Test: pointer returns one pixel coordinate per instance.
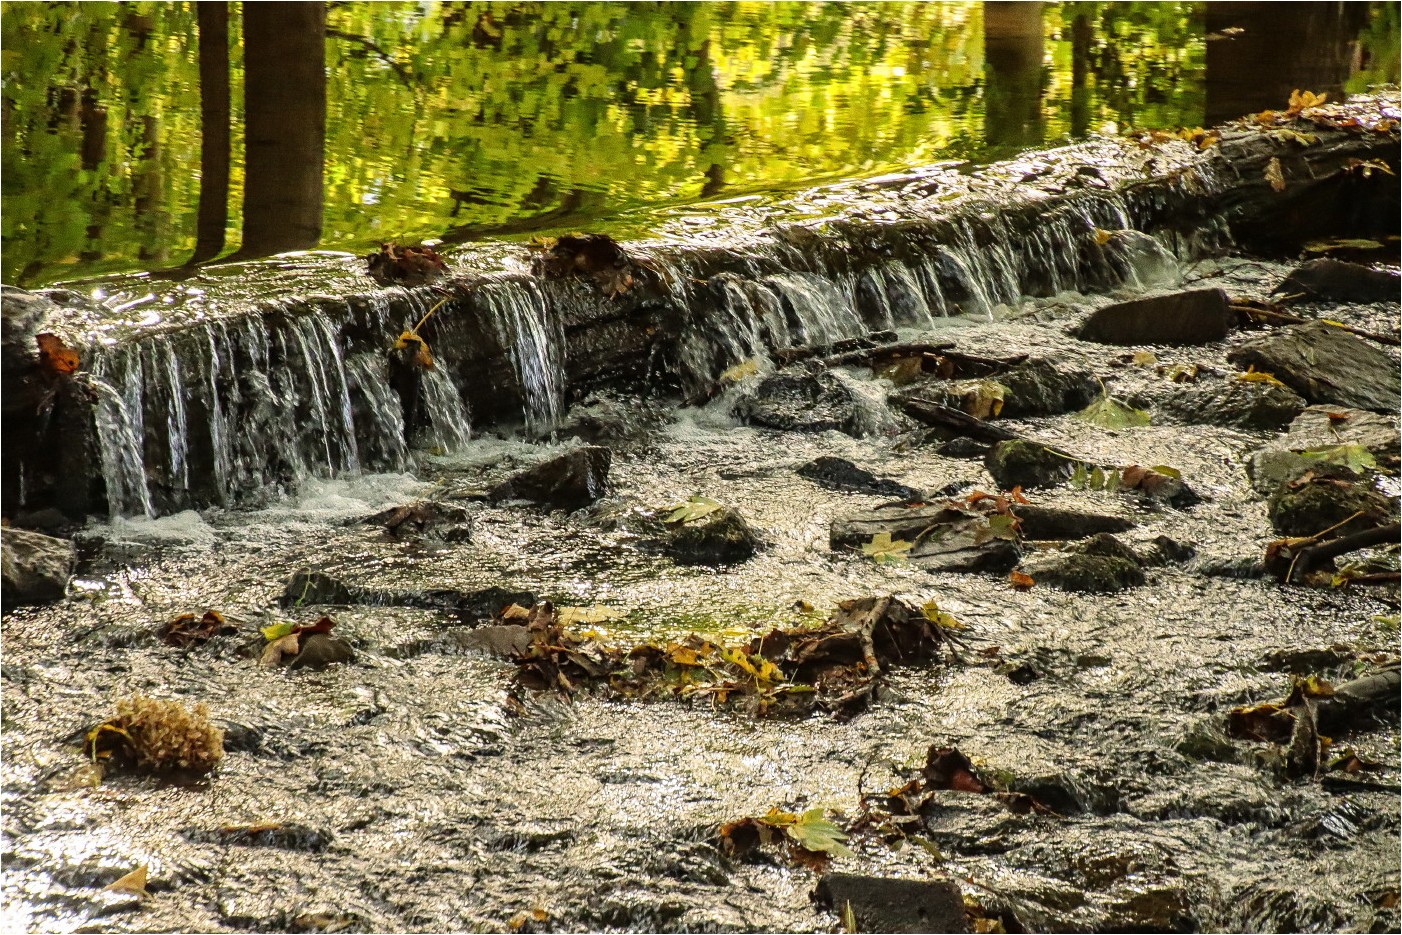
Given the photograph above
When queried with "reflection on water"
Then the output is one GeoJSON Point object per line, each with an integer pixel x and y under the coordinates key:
{"type": "Point", "coordinates": [466, 120]}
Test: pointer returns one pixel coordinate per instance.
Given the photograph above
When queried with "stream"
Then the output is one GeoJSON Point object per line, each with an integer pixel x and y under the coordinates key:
{"type": "Point", "coordinates": [411, 796]}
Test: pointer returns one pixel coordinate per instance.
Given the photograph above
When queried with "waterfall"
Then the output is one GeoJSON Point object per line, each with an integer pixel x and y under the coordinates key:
{"type": "Point", "coordinates": [250, 404]}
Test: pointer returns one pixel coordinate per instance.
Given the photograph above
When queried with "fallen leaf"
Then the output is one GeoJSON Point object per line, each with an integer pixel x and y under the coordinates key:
{"type": "Point", "coordinates": [55, 355]}
{"type": "Point", "coordinates": [1274, 175]}
{"type": "Point", "coordinates": [1143, 359]}
{"type": "Point", "coordinates": [1300, 100]}
{"type": "Point", "coordinates": [813, 832]}
{"type": "Point", "coordinates": [1102, 237]}
{"type": "Point", "coordinates": [410, 341]}
{"type": "Point", "coordinates": [133, 883]}
{"type": "Point", "coordinates": [882, 549]}
{"type": "Point", "coordinates": [595, 613]}
{"type": "Point", "coordinates": [740, 371]}
{"type": "Point", "coordinates": [1109, 413]}
{"type": "Point", "coordinates": [692, 509]}
{"type": "Point", "coordinates": [1252, 375]}
{"type": "Point", "coordinates": [1021, 580]}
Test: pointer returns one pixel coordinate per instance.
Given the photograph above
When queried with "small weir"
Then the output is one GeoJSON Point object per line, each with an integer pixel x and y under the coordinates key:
{"type": "Point", "coordinates": [241, 405]}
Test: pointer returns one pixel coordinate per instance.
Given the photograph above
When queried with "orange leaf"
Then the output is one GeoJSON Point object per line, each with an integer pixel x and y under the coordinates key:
{"type": "Point", "coordinates": [1016, 495]}
{"type": "Point", "coordinates": [55, 355]}
{"type": "Point", "coordinates": [1021, 580]}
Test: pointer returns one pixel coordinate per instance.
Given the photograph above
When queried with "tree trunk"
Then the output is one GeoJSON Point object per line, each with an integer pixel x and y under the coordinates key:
{"type": "Point", "coordinates": [1282, 47]}
{"type": "Point", "coordinates": [213, 215]}
{"type": "Point", "coordinates": [1012, 54]}
{"type": "Point", "coordinates": [284, 126]}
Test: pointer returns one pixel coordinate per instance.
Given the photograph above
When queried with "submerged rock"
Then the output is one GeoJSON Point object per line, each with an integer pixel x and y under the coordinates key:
{"type": "Point", "coordinates": [1337, 281]}
{"type": "Point", "coordinates": [1327, 497]}
{"type": "Point", "coordinates": [1325, 364]}
{"type": "Point", "coordinates": [1028, 464]}
{"type": "Point", "coordinates": [943, 537]}
{"type": "Point", "coordinates": [1200, 316]}
{"type": "Point", "coordinates": [841, 474]}
{"type": "Point", "coordinates": [719, 538]}
{"type": "Point", "coordinates": [445, 522]}
{"type": "Point", "coordinates": [802, 402]}
{"type": "Point", "coordinates": [1101, 565]}
{"type": "Point", "coordinates": [1043, 522]}
{"type": "Point", "coordinates": [574, 479]}
{"type": "Point", "coordinates": [882, 904]}
{"type": "Point", "coordinates": [35, 567]}
{"type": "Point", "coordinates": [1038, 387]}
{"type": "Point", "coordinates": [307, 587]}
{"type": "Point", "coordinates": [1236, 403]}
{"type": "Point", "coordinates": [1317, 435]}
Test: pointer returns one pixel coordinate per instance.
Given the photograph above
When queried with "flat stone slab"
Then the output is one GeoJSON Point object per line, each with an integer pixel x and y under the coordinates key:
{"type": "Point", "coordinates": [1325, 364]}
{"type": "Point", "coordinates": [1337, 281]}
{"type": "Point", "coordinates": [1201, 316]}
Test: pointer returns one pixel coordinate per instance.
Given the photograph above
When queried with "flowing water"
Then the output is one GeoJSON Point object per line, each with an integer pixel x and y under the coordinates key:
{"type": "Point", "coordinates": [412, 801]}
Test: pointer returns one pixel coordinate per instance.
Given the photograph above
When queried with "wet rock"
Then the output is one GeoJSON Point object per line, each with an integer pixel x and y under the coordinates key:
{"type": "Point", "coordinates": [609, 419]}
{"type": "Point", "coordinates": [319, 650]}
{"type": "Point", "coordinates": [1044, 522]}
{"type": "Point", "coordinates": [574, 479]}
{"type": "Point", "coordinates": [291, 836]}
{"type": "Point", "coordinates": [1328, 496]}
{"type": "Point", "coordinates": [445, 522]}
{"type": "Point", "coordinates": [1325, 364]}
{"type": "Point", "coordinates": [504, 640]}
{"type": "Point", "coordinates": [1155, 908]}
{"type": "Point", "coordinates": [1200, 316]}
{"type": "Point", "coordinates": [964, 448]}
{"type": "Point", "coordinates": [944, 537]}
{"type": "Point", "coordinates": [1321, 426]}
{"type": "Point", "coordinates": [306, 587]}
{"type": "Point", "coordinates": [882, 904]}
{"type": "Point", "coordinates": [1336, 281]}
{"type": "Point", "coordinates": [1039, 387]}
{"type": "Point", "coordinates": [801, 402]}
{"type": "Point", "coordinates": [1101, 565]}
{"type": "Point", "coordinates": [1028, 464]}
{"type": "Point", "coordinates": [841, 474]}
{"type": "Point", "coordinates": [1165, 550]}
{"type": "Point", "coordinates": [1236, 403]}
{"type": "Point", "coordinates": [35, 567]}
{"type": "Point", "coordinates": [721, 537]}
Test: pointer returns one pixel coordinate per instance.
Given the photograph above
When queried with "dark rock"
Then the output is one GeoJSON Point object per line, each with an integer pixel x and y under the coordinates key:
{"type": "Point", "coordinates": [1044, 522]}
{"type": "Point", "coordinates": [504, 640]}
{"type": "Point", "coordinates": [1101, 565]}
{"type": "Point", "coordinates": [801, 402]}
{"type": "Point", "coordinates": [962, 544]}
{"type": "Point", "coordinates": [574, 479]}
{"type": "Point", "coordinates": [1236, 403]}
{"type": "Point", "coordinates": [1039, 387]}
{"type": "Point", "coordinates": [35, 567]}
{"type": "Point", "coordinates": [1165, 550]}
{"type": "Point", "coordinates": [319, 650]}
{"type": "Point", "coordinates": [1155, 908]}
{"type": "Point", "coordinates": [1325, 364]}
{"type": "Point", "coordinates": [610, 419]}
{"type": "Point", "coordinates": [881, 904]}
{"type": "Point", "coordinates": [1197, 317]}
{"type": "Point", "coordinates": [48, 520]}
{"type": "Point", "coordinates": [965, 448]}
{"type": "Point", "coordinates": [1321, 426]}
{"type": "Point", "coordinates": [1330, 496]}
{"type": "Point", "coordinates": [1337, 281]}
{"type": "Point", "coordinates": [445, 522]}
{"type": "Point", "coordinates": [1028, 464]}
{"type": "Point", "coordinates": [721, 537]}
{"type": "Point", "coordinates": [288, 836]}
{"type": "Point", "coordinates": [315, 587]}
{"type": "Point", "coordinates": [841, 474]}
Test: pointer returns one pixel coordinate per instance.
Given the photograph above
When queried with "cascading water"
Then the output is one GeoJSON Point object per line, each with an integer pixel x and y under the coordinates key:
{"type": "Point", "coordinates": [305, 387]}
{"type": "Point", "coordinates": [530, 331]}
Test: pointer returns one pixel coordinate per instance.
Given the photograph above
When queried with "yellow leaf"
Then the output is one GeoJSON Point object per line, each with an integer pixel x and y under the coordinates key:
{"type": "Point", "coordinates": [133, 883]}
{"type": "Point", "coordinates": [1102, 237]}
{"type": "Point", "coordinates": [1252, 375]}
{"type": "Point", "coordinates": [410, 340]}
{"type": "Point", "coordinates": [1144, 359]}
{"type": "Point", "coordinates": [740, 371]}
{"type": "Point", "coordinates": [592, 614]}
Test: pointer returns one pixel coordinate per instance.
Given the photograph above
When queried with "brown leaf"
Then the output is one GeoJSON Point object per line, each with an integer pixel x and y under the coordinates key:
{"type": "Point", "coordinates": [278, 650]}
{"type": "Point", "coordinates": [420, 356]}
{"type": "Point", "coordinates": [133, 883]}
{"type": "Point", "coordinates": [1274, 175]}
{"type": "Point", "coordinates": [1021, 580]}
{"type": "Point", "coordinates": [54, 355]}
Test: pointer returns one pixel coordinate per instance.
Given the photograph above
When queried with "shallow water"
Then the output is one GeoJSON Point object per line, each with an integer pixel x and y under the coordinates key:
{"type": "Point", "coordinates": [440, 812]}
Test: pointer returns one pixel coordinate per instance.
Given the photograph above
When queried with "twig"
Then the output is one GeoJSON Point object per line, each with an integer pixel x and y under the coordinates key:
{"type": "Point", "coordinates": [1262, 315]}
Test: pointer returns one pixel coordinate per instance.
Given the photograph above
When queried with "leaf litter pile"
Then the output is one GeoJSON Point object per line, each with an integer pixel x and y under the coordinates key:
{"type": "Point", "coordinates": [835, 667]}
